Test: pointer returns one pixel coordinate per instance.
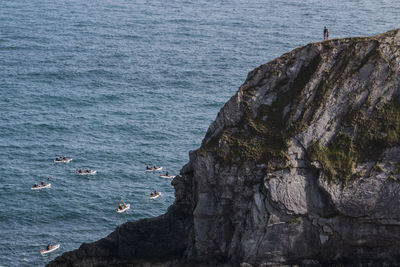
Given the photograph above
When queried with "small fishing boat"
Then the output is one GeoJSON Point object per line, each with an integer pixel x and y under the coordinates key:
{"type": "Point", "coordinates": [155, 196]}
{"type": "Point", "coordinates": [51, 249]}
{"type": "Point", "coordinates": [86, 172]}
{"type": "Point", "coordinates": [41, 187]}
{"type": "Point", "coordinates": [127, 207]}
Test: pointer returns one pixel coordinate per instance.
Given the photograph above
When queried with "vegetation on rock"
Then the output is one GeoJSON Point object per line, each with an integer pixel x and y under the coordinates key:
{"type": "Point", "coordinates": [371, 136]}
{"type": "Point", "coordinates": [337, 158]}
{"type": "Point", "coordinates": [258, 139]}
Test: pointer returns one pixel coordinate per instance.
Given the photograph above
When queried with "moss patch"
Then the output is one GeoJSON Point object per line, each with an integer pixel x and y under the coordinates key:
{"type": "Point", "coordinates": [397, 168]}
{"type": "Point", "coordinates": [378, 132]}
{"type": "Point", "coordinates": [255, 141]}
{"type": "Point", "coordinates": [377, 168]}
{"type": "Point", "coordinates": [373, 134]}
{"type": "Point", "coordinates": [337, 159]}
{"type": "Point", "coordinates": [393, 179]}
{"type": "Point", "coordinates": [295, 220]}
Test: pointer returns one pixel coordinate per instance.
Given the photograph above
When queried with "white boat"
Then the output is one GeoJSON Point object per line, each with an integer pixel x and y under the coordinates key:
{"type": "Point", "coordinates": [90, 172]}
{"type": "Point", "coordinates": [154, 170]}
{"type": "Point", "coordinates": [52, 248]}
{"type": "Point", "coordinates": [167, 176]}
{"type": "Point", "coordinates": [67, 160]}
{"type": "Point", "coordinates": [41, 187]}
{"type": "Point", "coordinates": [128, 206]}
{"type": "Point", "coordinates": [155, 196]}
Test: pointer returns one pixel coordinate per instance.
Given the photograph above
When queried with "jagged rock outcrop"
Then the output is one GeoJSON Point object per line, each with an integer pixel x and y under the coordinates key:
{"type": "Point", "coordinates": [301, 166]}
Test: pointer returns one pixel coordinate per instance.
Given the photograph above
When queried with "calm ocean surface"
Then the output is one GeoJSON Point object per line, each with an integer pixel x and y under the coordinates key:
{"type": "Point", "coordinates": [115, 84]}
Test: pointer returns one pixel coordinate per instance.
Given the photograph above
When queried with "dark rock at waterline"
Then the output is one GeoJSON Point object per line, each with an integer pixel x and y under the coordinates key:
{"type": "Point", "coordinates": [301, 166]}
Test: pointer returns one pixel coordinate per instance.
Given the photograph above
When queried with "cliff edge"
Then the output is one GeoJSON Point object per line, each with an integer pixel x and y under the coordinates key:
{"type": "Point", "coordinates": [301, 166]}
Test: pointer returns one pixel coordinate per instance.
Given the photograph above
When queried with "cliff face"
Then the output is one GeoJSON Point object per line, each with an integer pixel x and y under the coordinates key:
{"type": "Point", "coordinates": [302, 166]}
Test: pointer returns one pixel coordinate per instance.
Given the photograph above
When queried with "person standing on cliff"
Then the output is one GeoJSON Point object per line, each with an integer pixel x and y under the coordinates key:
{"type": "Point", "coordinates": [326, 33]}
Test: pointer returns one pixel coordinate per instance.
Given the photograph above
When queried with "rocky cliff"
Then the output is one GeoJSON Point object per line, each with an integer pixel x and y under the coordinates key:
{"type": "Point", "coordinates": [301, 166]}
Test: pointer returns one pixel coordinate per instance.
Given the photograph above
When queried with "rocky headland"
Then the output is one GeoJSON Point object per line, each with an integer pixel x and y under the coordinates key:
{"type": "Point", "coordinates": [301, 166]}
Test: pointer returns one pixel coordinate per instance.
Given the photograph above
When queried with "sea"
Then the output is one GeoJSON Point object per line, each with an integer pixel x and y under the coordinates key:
{"type": "Point", "coordinates": [118, 84]}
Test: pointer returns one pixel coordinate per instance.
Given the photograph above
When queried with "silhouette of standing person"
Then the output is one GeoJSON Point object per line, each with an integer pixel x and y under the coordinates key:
{"type": "Point", "coordinates": [326, 33]}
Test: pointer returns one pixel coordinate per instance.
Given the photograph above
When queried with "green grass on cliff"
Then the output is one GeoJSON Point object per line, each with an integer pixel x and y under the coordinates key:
{"type": "Point", "coordinates": [372, 135]}
{"type": "Point", "coordinates": [376, 132]}
{"type": "Point", "coordinates": [337, 158]}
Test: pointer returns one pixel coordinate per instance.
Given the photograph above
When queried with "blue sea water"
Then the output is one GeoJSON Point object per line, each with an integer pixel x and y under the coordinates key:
{"type": "Point", "coordinates": [116, 84]}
